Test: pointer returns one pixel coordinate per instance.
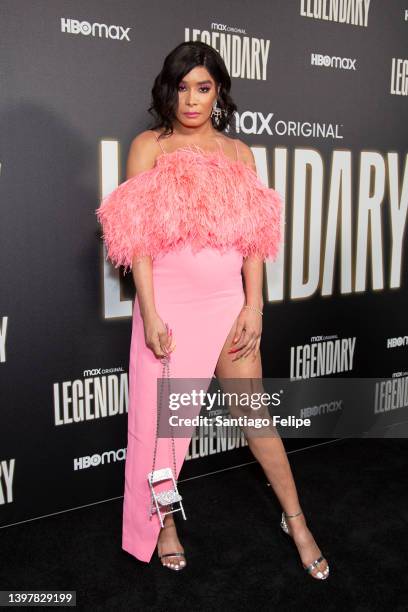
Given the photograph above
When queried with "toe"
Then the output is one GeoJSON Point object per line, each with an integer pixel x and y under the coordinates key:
{"type": "Point", "coordinates": [322, 570]}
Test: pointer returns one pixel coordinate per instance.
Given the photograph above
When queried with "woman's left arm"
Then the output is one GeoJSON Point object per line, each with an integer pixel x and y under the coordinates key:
{"type": "Point", "coordinates": [247, 339]}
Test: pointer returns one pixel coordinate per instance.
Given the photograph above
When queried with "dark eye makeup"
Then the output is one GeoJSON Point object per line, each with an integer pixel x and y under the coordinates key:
{"type": "Point", "coordinates": [206, 88]}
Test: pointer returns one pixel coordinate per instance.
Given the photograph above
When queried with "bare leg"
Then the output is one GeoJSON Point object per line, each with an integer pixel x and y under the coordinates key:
{"type": "Point", "coordinates": [168, 542]}
{"type": "Point", "coordinates": [272, 456]}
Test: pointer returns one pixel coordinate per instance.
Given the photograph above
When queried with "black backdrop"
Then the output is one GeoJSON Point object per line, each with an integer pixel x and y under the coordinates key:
{"type": "Point", "coordinates": [320, 97]}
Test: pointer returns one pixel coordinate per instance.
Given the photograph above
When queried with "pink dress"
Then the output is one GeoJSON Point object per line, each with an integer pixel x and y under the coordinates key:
{"type": "Point", "coordinates": [197, 214]}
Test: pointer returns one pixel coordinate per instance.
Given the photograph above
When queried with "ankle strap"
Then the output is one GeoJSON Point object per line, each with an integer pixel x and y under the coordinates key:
{"type": "Point", "coordinates": [292, 515]}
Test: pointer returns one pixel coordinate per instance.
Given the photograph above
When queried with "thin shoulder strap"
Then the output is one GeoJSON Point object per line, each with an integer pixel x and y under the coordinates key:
{"type": "Point", "coordinates": [236, 147]}
{"type": "Point", "coordinates": [219, 144]}
{"type": "Point", "coordinates": [160, 144]}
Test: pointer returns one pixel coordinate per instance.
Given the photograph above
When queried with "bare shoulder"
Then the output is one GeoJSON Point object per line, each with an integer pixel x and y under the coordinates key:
{"type": "Point", "coordinates": [245, 154]}
{"type": "Point", "coordinates": [142, 153]}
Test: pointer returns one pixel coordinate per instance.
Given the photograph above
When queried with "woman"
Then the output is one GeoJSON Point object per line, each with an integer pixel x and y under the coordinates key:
{"type": "Point", "coordinates": [191, 216]}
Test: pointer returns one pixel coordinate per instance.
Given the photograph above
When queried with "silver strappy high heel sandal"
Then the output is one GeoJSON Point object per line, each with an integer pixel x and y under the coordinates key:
{"type": "Point", "coordinates": [320, 575]}
{"type": "Point", "coordinates": [173, 566]}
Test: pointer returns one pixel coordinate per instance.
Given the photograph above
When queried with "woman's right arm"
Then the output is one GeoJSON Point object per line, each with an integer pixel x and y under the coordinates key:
{"type": "Point", "coordinates": [142, 156]}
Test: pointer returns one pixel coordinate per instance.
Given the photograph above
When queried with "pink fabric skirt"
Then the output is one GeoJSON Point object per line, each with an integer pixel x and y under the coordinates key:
{"type": "Point", "coordinates": [200, 296]}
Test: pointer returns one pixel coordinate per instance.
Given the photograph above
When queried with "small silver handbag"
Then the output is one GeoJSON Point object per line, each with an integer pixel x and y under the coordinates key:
{"type": "Point", "coordinates": [160, 501]}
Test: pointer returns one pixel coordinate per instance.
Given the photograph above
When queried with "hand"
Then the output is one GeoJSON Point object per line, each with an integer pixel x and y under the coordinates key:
{"type": "Point", "coordinates": [248, 333]}
{"type": "Point", "coordinates": [157, 338]}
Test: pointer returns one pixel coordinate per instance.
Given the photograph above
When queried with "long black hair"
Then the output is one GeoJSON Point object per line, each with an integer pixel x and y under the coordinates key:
{"type": "Point", "coordinates": [177, 64]}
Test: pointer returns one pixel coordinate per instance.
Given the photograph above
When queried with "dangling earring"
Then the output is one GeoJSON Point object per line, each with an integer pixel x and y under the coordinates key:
{"type": "Point", "coordinates": [216, 112]}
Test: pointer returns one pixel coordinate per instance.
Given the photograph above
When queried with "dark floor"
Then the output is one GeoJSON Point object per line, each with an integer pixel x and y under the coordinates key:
{"type": "Point", "coordinates": [353, 493]}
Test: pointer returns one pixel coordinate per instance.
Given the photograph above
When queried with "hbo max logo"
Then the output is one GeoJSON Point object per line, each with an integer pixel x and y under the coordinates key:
{"type": "Point", "coordinates": [331, 61]}
{"type": "Point", "coordinates": [73, 26]}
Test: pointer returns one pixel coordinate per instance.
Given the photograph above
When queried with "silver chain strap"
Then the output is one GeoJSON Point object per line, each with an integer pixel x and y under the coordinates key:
{"type": "Point", "coordinates": [165, 374]}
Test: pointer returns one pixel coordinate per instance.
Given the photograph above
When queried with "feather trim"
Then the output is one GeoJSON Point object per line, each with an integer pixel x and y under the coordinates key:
{"type": "Point", "coordinates": [207, 200]}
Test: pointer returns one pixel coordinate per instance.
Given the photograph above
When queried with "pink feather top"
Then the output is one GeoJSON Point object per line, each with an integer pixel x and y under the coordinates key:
{"type": "Point", "coordinates": [190, 196]}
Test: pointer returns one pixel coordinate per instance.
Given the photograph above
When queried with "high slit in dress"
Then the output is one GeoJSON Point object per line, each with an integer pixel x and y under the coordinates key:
{"type": "Point", "coordinates": [197, 214]}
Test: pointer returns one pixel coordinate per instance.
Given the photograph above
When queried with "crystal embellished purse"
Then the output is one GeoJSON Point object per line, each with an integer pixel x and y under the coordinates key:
{"type": "Point", "coordinates": [172, 495]}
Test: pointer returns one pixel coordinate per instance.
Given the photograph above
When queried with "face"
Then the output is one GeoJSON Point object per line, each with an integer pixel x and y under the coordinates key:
{"type": "Point", "coordinates": [197, 92]}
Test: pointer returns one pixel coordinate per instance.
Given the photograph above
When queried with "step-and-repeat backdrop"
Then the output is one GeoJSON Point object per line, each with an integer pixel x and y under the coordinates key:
{"type": "Point", "coordinates": [321, 89]}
